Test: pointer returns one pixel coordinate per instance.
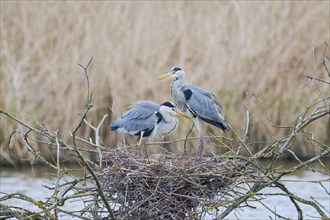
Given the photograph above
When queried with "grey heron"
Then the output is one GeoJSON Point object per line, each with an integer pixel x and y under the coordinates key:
{"type": "Point", "coordinates": [199, 103]}
{"type": "Point", "coordinates": [147, 119]}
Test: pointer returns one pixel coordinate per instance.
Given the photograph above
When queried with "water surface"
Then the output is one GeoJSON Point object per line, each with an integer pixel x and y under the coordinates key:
{"type": "Point", "coordinates": [30, 181]}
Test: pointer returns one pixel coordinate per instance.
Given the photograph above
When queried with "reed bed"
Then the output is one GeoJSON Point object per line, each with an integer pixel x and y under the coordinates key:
{"type": "Point", "coordinates": [230, 48]}
{"type": "Point", "coordinates": [128, 182]}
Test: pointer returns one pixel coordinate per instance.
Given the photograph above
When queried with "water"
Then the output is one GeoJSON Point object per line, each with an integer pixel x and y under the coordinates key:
{"type": "Point", "coordinates": [299, 185]}
{"type": "Point", "coordinates": [30, 181]}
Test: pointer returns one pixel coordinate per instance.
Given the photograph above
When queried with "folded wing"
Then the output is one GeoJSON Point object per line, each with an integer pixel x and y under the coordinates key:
{"type": "Point", "coordinates": [205, 105]}
{"type": "Point", "coordinates": [141, 117]}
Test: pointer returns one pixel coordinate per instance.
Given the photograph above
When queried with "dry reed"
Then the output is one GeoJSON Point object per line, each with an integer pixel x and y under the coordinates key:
{"type": "Point", "coordinates": [264, 48]}
{"type": "Point", "coordinates": [137, 185]}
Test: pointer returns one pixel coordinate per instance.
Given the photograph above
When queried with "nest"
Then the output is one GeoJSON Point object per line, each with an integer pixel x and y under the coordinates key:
{"type": "Point", "coordinates": [166, 187]}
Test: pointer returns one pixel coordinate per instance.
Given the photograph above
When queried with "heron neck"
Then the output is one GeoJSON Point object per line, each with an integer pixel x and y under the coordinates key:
{"type": "Point", "coordinates": [177, 83]}
{"type": "Point", "coordinates": [167, 118]}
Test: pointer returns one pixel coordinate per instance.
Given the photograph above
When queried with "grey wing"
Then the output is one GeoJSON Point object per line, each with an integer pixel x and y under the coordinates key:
{"type": "Point", "coordinates": [202, 103]}
{"type": "Point", "coordinates": [147, 104]}
{"type": "Point", "coordinates": [212, 96]}
{"type": "Point", "coordinates": [138, 118]}
{"type": "Point", "coordinates": [142, 109]}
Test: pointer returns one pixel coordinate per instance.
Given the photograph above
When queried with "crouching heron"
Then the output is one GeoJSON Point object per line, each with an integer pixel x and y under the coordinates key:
{"type": "Point", "coordinates": [199, 103]}
{"type": "Point", "coordinates": [147, 119]}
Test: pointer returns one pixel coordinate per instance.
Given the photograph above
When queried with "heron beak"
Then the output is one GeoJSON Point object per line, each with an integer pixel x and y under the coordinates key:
{"type": "Point", "coordinates": [181, 114]}
{"type": "Point", "coordinates": [165, 75]}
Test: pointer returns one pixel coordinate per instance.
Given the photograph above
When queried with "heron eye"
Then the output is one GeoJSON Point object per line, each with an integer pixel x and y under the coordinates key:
{"type": "Point", "coordinates": [176, 78]}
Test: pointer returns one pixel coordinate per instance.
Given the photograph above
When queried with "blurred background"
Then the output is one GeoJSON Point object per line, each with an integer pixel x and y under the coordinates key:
{"type": "Point", "coordinates": [230, 48]}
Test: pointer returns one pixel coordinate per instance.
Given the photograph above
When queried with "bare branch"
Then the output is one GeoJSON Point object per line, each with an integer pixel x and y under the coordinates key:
{"type": "Point", "coordinates": [57, 197]}
{"type": "Point", "coordinates": [137, 185]}
{"type": "Point", "coordinates": [97, 137]}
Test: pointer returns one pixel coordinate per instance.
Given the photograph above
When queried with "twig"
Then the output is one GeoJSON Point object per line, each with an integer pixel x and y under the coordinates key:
{"type": "Point", "coordinates": [57, 198]}
{"type": "Point", "coordinates": [324, 56]}
{"type": "Point", "coordinates": [29, 199]}
{"type": "Point", "coordinates": [317, 79]}
{"type": "Point", "coordinates": [90, 170]}
{"type": "Point", "coordinates": [258, 186]}
{"type": "Point", "coordinates": [274, 211]}
{"type": "Point", "coordinates": [185, 140]}
{"type": "Point", "coordinates": [89, 94]}
{"type": "Point", "coordinates": [244, 137]}
{"type": "Point", "coordinates": [97, 137]}
{"type": "Point", "coordinates": [135, 182]}
{"type": "Point", "coordinates": [242, 143]}
{"type": "Point", "coordinates": [292, 198]}
{"type": "Point", "coordinates": [112, 110]}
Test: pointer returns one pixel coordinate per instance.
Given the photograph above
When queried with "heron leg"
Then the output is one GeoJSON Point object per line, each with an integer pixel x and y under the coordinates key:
{"type": "Point", "coordinates": [201, 139]}
{"type": "Point", "coordinates": [200, 147]}
{"type": "Point", "coordinates": [141, 136]}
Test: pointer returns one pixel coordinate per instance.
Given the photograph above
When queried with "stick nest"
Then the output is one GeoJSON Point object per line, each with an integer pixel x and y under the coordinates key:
{"type": "Point", "coordinates": [166, 187]}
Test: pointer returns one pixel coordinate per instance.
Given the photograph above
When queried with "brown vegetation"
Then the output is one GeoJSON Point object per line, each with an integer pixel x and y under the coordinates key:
{"type": "Point", "coordinates": [264, 48]}
{"type": "Point", "coordinates": [137, 185]}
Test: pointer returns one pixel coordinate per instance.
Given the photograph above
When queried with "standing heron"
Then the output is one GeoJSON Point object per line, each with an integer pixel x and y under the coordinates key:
{"type": "Point", "coordinates": [199, 103]}
{"type": "Point", "coordinates": [147, 119]}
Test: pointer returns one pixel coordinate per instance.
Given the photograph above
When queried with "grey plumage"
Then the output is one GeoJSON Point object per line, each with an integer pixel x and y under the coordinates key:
{"type": "Point", "coordinates": [199, 103]}
{"type": "Point", "coordinates": [147, 119]}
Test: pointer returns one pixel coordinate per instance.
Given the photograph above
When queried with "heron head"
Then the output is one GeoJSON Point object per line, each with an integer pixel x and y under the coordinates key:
{"type": "Point", "coordinates": [168, 104]}
{"type": "Point", "coordinates": [169, 108]}
{"type": "Point", "coordinates": [175, 72]}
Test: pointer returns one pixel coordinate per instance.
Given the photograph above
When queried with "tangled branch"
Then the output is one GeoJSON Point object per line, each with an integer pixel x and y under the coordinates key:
{"type": "Point", "coordinates": [127, 183]}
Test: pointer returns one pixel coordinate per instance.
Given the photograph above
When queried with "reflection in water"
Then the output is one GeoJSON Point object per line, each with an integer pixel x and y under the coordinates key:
{"type": "Point", "coordinates": [30, 181]}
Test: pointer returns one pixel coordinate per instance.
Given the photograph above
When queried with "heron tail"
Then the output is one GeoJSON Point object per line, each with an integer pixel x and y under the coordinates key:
{"type": "Point", "coordinates": [223, 125]}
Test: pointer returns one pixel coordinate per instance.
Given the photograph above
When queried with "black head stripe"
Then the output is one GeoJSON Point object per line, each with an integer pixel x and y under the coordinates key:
{"type": "Point", "coordinates": [174, 69]}
{"type": "Point", "coordinates": [168, 104]}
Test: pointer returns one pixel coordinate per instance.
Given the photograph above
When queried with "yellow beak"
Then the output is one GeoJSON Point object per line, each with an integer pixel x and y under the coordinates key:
{"type": "Point", "coordinates": [181, 114]}
{"type": "Point", "coordinates": [165, 76]}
